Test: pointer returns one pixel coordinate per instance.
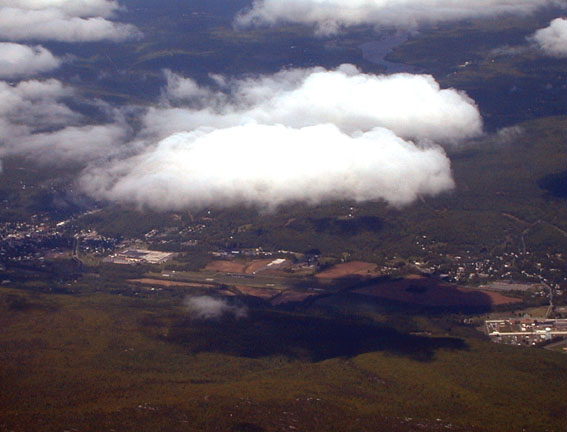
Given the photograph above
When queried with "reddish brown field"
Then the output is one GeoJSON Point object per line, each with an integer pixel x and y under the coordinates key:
{"type": "Point", "coordinates": [246, 267]}
{"type": "Point", "coordinates": [226, 266]}
{"type": "Point", "coordinates": [169, 283]}
{"type": "Point", "coordinates": [497, 298]}
{"type": "Point", "coordinates": [425, 291]}
{"type": "Point", "coordinates": [353, 268]}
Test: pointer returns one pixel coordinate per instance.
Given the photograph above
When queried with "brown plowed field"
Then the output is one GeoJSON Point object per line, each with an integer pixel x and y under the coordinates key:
{"type": "Point", "coordinates": [291, 296]}
{"type": "Point", "coordinates": [245, 267]}
{"type": "Point", "coordinates": [431, 292]}
{"type": "Point", "coordinates": [353, 268]}
{"type": "Point", "coordinates": [497, 298]}
{"type": "Point", "coordinates": [226, 266]}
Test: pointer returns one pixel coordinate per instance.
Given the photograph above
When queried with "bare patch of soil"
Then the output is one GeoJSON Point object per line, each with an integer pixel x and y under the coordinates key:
{"type": "Point", "coordinates": [353, 268]}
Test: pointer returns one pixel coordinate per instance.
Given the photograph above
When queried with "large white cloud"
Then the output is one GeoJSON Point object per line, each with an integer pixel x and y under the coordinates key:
{"type": "Point", "coordinates": [308, 135]}
{"type": "Point", "coordinates": [268, 165]}
{"type": "Point", "coordinates": [412, 106]}
{"type": "Point", "coordinates": [552, 40]}
{"type": "Point", "coordinates": [330, 15]}
{"type": "Point", "coordinates": [21, 61]}
{"type": "Point", "coordinates": [54, 24]}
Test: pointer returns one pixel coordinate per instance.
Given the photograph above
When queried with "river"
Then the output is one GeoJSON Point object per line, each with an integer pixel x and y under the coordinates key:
{"type": "Point", "coordinates": [376, 51]}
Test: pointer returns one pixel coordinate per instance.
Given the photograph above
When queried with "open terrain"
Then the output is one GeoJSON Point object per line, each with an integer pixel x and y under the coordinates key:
{"type": "Point", "coordinates": [428, 292]}
{"type": "Point", "coordinates": [99, 361]}
{"type": "Point", "coordinates": [352, 268]}
{"type": "Point", "coordinates": [168, 283]}
{"type": "Point", "coordinates": [372, 324]}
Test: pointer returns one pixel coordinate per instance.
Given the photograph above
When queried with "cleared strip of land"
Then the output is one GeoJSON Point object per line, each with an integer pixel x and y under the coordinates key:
{"type": "Point", "coordinates": [169, 283]}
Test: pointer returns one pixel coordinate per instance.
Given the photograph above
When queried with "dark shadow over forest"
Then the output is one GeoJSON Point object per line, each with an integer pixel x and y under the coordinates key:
{"type": "Point", "coordinates": [314, 338]}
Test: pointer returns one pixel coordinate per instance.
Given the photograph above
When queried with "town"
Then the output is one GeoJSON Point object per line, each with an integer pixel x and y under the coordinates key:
{"type": "Point", "coordinates": [537, 279]}
{"type": "Point", "coordinates": [527, 331]}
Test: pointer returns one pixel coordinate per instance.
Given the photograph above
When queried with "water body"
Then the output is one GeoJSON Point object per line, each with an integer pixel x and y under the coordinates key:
{"type": "Point", "coordinates": [376, 51]}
